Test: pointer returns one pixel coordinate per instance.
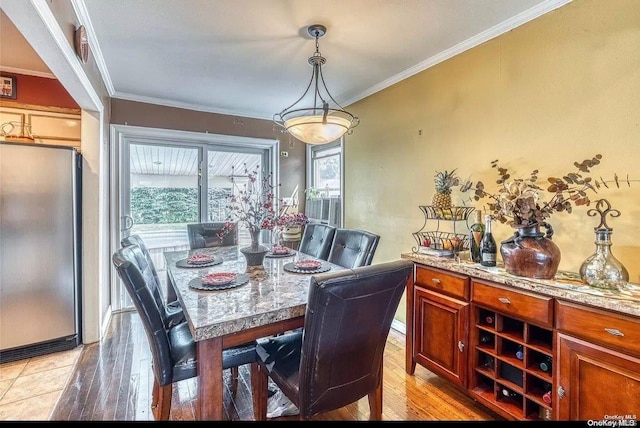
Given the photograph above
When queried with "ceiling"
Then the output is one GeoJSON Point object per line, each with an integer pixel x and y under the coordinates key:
{"type": "Point", "coordinates": [249, 57]}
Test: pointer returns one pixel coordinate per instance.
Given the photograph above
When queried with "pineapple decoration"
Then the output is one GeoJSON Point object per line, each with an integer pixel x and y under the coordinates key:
{"type": "Point", "coordinates": [444, 182]}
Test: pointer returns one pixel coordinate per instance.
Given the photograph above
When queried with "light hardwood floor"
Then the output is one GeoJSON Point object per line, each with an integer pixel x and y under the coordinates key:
{"type": "Point", "coordinates": [113, 381]}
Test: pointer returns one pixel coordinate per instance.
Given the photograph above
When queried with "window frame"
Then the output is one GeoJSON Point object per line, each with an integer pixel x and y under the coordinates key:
{"type": "Point", "coordinates": [312, 150]}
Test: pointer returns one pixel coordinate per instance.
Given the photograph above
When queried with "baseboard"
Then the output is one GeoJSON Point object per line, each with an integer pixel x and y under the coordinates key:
{"type": "Point", "coordinates": [399, 326]}
{"type": "Point", "coordinates": [106, 321]}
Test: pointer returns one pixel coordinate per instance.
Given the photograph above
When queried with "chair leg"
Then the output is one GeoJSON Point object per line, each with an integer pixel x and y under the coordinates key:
{"type": "Point", "coordinates": [259, 385]}
{"type": "Point", "coordinates": [375, 401]}
{"type": "Point", "coordinates": [161, 401]}
{"type": "Point", "coordinates": [234, 380]}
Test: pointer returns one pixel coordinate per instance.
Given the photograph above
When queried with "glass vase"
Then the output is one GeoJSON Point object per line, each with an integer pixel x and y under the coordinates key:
{"type": "Point", "coordinates": [602, 269]}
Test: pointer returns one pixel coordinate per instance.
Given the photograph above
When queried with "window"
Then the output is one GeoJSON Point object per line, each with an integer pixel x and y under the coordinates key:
{"type": "Point", "coordinates": [324, 183]}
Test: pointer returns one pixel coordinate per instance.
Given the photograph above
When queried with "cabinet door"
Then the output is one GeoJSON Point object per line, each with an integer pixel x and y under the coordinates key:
{"type": "Point", "coordinates": [440, 334]}
{"type": "Point", "coordinates": [595, 383]}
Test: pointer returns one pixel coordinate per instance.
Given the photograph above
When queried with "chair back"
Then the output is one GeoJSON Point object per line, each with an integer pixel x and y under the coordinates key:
{"type": "Point", "coordinates": [316, 240]}
{"type": "Point", "coordinates": [353, 248]}
{"type": "Point", "coordinates": [206, 235]}
{"type": "Point", "coordinates": [148, 271]}
{"type": "Point", "coordinates": [127, 263]}
{"type": "Point", "coordinates": [348, 317]}
{"type": "Point", "coordinates": [137, 240]}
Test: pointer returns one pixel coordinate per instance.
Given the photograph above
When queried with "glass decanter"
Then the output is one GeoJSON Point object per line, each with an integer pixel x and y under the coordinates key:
{"type": "Point", "coordinates": [602, 269]}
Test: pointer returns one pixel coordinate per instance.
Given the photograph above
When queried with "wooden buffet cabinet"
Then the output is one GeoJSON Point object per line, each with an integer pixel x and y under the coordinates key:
{"type": "Point", "coordinates": [526, 349]}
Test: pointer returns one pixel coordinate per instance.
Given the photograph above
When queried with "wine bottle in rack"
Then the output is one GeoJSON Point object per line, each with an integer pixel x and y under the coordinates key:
{"type": "Point", "coordinates": [508, 393]}
{"type": "Point", "coordinates": [486, 338]}
{"type": "Point", "coordinates": [488, 320]}
{"type": "Point", "coordinates": [520, 353]}
{"type": "Point", "coordinates": [545, 365]}
{"type": "Point", "coordinates": [546, 397]}
{"type": "Point", "coordinates": [488, 362]}
{"type": "Point", "coordinates": [476, 232]}
{"type": "Point", "coordinates": [488, 247]}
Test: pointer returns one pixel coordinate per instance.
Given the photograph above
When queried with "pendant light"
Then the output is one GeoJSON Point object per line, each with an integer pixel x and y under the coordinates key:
{"type": "Point", "coordinates": [322, 120]}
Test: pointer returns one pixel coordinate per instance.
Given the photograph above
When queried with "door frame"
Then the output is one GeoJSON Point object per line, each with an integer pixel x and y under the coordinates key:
{"type": "Point", "coordinates": [123, 135]}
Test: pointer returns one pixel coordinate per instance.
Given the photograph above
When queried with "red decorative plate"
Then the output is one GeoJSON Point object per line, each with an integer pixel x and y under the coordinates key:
{"type": "Point", "coordinates": [200, 259]}
{"type": "Point", "coordinates": [307, 264]}
{"type": "Point", "coordinates": [219, 278]}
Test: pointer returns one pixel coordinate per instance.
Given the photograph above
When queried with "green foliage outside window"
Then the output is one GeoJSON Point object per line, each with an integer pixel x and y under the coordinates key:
{"type": "Point", "coordinates": [156, 205]}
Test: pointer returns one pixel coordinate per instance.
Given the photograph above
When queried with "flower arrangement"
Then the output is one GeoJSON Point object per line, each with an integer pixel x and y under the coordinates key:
{"type": "Point", "coordinates": [520, 202]}
{"type": "Point", "coordinates": [295, 219]}
{"type": "Point", "coordinates": [252, 203]}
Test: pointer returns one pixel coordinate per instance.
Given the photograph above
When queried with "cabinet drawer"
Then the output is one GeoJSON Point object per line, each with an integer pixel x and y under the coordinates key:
{"type": "Point", "coordinates": [443, 282]}
{"type": "Point", "coordinates": [605, 328]}
{"type": "Point", "coordinates": [534, 308]}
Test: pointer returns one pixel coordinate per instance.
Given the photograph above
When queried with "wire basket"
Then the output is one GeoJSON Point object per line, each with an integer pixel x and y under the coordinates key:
{"type": "Point", "coordinates": [441, 243]}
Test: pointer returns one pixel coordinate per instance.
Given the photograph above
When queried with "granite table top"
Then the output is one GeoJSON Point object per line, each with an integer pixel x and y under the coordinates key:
{"type": "Point", "coordinates": [272, 294]}
{"type": "Point", "coordinates": [566, 285]}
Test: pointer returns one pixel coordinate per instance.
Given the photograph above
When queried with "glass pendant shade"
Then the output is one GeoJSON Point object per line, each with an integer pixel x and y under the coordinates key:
{"type": "Point", "coordinates": [316, 118]}
{"type": "Point", "coordinates": [312, 130]}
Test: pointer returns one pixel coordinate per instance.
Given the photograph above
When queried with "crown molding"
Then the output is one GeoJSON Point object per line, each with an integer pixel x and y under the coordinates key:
{"type": "Point", "coordinates": [187, 106]}
{"type": "Point", "coordinates": [80, 8]}
{"type": "Point", "coordinates": [27, 72]}
{"type": "Point", "coordinates": [493, 32]}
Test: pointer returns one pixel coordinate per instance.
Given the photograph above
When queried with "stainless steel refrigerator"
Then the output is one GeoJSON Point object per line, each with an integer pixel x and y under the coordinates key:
{"type": "Point", "coordinates": [39, 249]}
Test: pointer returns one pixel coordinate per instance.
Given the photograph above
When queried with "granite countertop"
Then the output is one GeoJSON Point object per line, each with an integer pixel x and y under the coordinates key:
{"type": "Point", "coordinates": [272, 294]}
{"type": "Point", "coordinates": [566, 285]}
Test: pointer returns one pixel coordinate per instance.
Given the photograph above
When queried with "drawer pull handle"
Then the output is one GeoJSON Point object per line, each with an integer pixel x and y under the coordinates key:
{"type": "Point", "coordinates": [505, 300]}
{"type": "Point", "coordinates": [614, 331]}
{"type": "Point", "coordinates": [560, 392]}
{"type": "Point", "coordinates": [435, 281]}
{"type": "Point", "coordinates": [460, 346]}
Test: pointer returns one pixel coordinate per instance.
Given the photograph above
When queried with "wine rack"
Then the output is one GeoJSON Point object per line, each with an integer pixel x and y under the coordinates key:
{"type": "Point", "coordinates": [511, 365]}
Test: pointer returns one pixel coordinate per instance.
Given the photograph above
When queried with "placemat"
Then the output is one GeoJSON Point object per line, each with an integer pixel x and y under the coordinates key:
{"type": "Point", "coordinates": [241, 279]}
{"type": "Point", "coordinates": [291, 267]}
{"type": "Point", "coordinates": [184, 264]}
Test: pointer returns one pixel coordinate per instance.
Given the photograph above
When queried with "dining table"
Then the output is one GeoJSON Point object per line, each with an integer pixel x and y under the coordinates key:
{"type": "Point", "coordinates": [269, 300]}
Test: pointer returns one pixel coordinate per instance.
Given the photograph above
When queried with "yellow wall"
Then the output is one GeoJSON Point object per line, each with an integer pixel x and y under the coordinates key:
{"type": "Point", "coordinates": [559, 89]}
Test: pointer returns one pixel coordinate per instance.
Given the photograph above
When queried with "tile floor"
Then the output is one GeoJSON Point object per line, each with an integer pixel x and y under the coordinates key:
{"type": "Point", "coordinates": [30, 388]}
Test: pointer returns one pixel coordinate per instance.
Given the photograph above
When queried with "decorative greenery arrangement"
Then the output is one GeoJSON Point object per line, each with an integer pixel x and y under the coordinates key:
{"type": "Point", "coordinates": [520, 201]}
{"type": "Point", "coordinates": [294, 219]}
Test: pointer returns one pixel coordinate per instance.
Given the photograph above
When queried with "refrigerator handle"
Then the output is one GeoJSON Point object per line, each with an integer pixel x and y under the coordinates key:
{"type": "Point", "coordinates": [127, 222]}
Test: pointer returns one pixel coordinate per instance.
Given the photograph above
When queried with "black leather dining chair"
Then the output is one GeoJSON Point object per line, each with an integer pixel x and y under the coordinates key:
{"type": "Point", "coordinates": [316, 240]}
{"type": "Point", "coordinates": [337, 359]}
{"type": "Point", "coordinates": [206, 235]}
{"type": "Point", "coordinates": [353, 248]}
{"type": "Point", "coordinates": [172, 311]}
{"type": "Point", "coordinates": [173, 349]}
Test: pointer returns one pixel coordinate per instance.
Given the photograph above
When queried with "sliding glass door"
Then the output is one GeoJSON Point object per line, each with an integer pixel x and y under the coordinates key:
{"type": "Point", "coordinates": [165, 185]}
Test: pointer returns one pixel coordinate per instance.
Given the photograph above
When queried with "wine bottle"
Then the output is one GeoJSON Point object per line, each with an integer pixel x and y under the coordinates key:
{"type": "Point", "coordinates": [546, 397]}
{"type": "Point", "coordinates": [488, 361]}
{"type": "Point", "coordinates": [486, 338]}
{"type": "Point", "coordinates": [488, 248]}
{"type": "Point", "coordinates": [520, 353]}
{"type": "Point", "coordinates": [508, 393]}
{"type": "Point", "coordinates": [488, 319]}
{"type": "Point", "coordinates": [476, 232]}
{"type": "Point", "coordinates": [545, 365]}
